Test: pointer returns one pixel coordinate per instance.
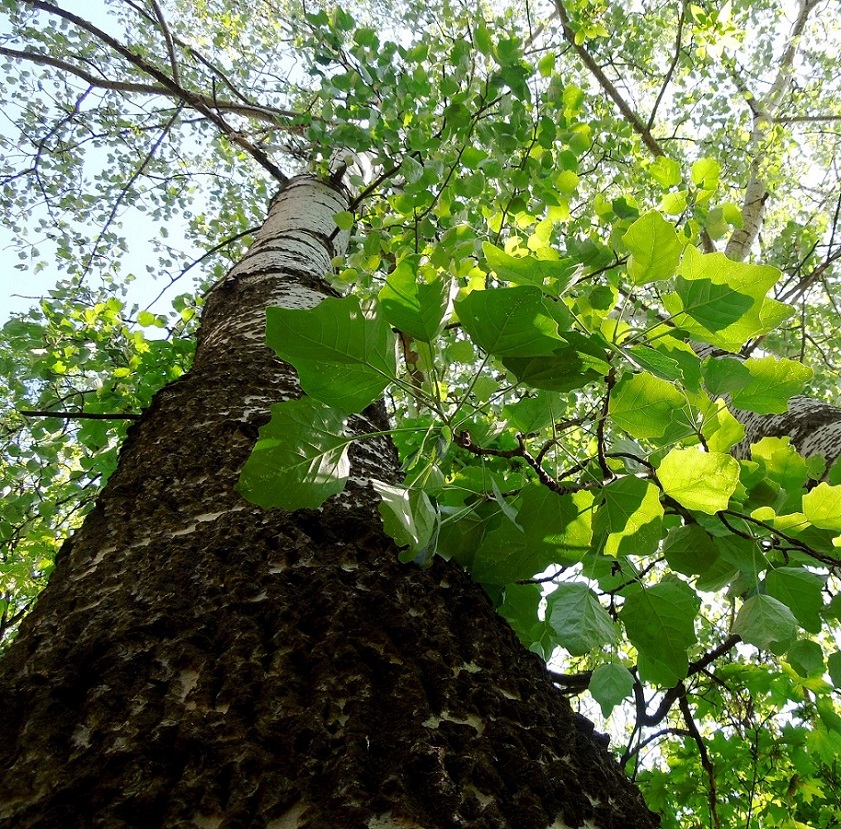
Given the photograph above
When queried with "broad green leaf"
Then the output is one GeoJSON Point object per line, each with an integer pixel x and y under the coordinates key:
{"type": "Point", "coordinates": [531, 414]}
{"type": "Point", "coordinates": [720, 428]}
{"type": "Point", "coordinates": [300, 458]}
{"type": "Point", "coordinates": [609, 685]}
{"type": "Point", "coordinates": [629, 519]}
{"type": "Point", "coordinates": [801, 591]}
{"type": "Point", "coordinates": [561, 525]}
{"type": "Point", "coordinates": [822, 506]}
{"type": "Point", "coordinates": [833, 663]}
{"type": "Point", "coordinates": [529, 270]}
{"type": "Point", "coordinates": [722, 302]}
{"type": "Point", "coordinates": [781, 463]}
{"type": "Point", "coordinates": [505, 555]}
{"type": "Point", "coordinates": [690, 550]}
{"type": "Point", "coordinates": [654, 362]}
{"type": "Point", "coordinates": [771, 383]}
{"type": "Point", "coordinates": [660, 622]}
{"type": "Point", "coordinates": [764, 621]}
{"type": "Point", "coordinates": [698, 480]}
{"type": "Point", "coordinates": [412, 305]}
{"type": "Point", "coordinates": [572, 365]}
{"type": "Point", "coordinates": [806, 657]}
{"type": "Point", "coordinates": [580, 623]}
{"type": "Point", "coordinates": [644, 405]}
{"type": "Point", "coordinates": [408, 517]}
{"type": "Point", "coordinates": [549, 529]}
{"type": "Point", "coordinates": [510, 322]}
{"type": "Point", "coordinates": [666, 171]}
{"type": "Point", "coordinates": [519, 608]}
{"type": "Point", "coordinates": [723, 375]}
{"type": "Point", "coordinates": [343, 219]}
{"type": "Point", "coordinates": [655, 248]}
{"type": "Point", "coordinates": [705, 173]}
{"type": "Point", "coordinates": [343, 357]}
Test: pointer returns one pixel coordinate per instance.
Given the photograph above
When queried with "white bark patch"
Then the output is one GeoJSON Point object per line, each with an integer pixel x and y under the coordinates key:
{"type": "Point", "coordinates": [207, 821]}
{"type": "Point", "coordinates": [188, 680]}
{"type": "Point", "coordinates": [471, 668]}
{"type": "Point", "coordinates": [471, 719]}
{"type": "Point", "coordinates": [388, 821]}
{"type": "Point", "coordinates": [291, 820]}
{"type": "Point", "coordinates": [81, 737]}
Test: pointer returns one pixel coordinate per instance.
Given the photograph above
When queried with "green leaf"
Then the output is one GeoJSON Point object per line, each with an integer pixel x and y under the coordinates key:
{"type": "Point", "coordinates": [644, 405]}
{"type": "Point", "coordinates": [300, 458]}
{"type": "Point", "coordinates": [764, 621]}
{"type": "Point", "coordinates": [519, 608]}
{"type": "Point", "coordinates": [801, 591]}
{"type": "Point", "coordinates": [560, 525]}
{"type": "Point", "coordinates": [833, 663]}
{"type": "Point", "coordinates": [781, 463]}
{"type": "Point", "coordinates": [705, 173]}
{"type": "Point", "coordinates": [629, 519]}
{"type": "Point", "coordinates": [655, 248]}
{"type": "Point", "coordinates": [344, 357]}
{"type": "Point", "coordinates": [572, 365]}
{"type": "Point", "coordinates": [531, 414]}
{"type": "Point", "coordinates": [806, 657]}
{"type": "Point", "coordinates": [529, 270]}
{"type": "Point", "coordinates": [609, 685]}
{"type": "Point", "coordinates": [408, 517]}
{"type": "Point", "coordinates": [412, 305]}
{"type": "Point", "coordinates": [771, 383]}
{"type": "Point", "coordinates": [660, 622]}
{"type": "Point", "coordinates": [723, 302]}
{"type": "Point", "coordinates": [690, 550]}
{"type": "Point", "coordinates": [720, 428]}
{"type": "Point", "coordinates": [343, 219]}
{"type": "Point", "coordinates": [510, 322]}
{"type": "Point", "coordinates": [698, 480]}
{"type": "Point", "coordinates": [666, 171]}
{"type": "Point", "coordinates": [549, 529]}
{"type": "Point", "coordinates": [579, 621]}
{"type": "Point", "coordinates": [822, 506]}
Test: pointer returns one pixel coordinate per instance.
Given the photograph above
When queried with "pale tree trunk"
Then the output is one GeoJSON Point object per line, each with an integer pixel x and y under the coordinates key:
{"type": "Point", "coordinates": [196, 661]}
{"type": "Point", "coordinates": [765, 110]}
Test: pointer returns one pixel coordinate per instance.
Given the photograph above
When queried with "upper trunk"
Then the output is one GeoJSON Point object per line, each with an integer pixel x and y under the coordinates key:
{"type": "Point", "coordinates": [198, 661]}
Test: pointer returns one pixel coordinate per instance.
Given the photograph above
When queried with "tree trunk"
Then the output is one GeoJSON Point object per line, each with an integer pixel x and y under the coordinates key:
{"type": "Point", "coordinates": [196, 661]}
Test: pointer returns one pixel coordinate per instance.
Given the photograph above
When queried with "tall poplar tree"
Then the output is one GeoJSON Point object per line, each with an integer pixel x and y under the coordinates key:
{"type": "Point", "coordinates": [496, 355]}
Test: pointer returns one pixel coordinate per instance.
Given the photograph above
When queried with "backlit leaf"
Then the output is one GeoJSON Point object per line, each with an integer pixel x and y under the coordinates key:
{"type": "Point", "coordinates": [699, 480]}
{"type": "Point", "coordinates": [300, 458]}
{"type": "Point", "coordinates": [344, 357]}
{"type": "Point", "coordinates": [660, 622]}
{"type": "Point", "coordinates": [579, 621]}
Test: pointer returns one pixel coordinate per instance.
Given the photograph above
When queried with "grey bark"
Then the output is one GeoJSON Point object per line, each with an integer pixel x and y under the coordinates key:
{"type": "Point", "coordinates": [196, 661]}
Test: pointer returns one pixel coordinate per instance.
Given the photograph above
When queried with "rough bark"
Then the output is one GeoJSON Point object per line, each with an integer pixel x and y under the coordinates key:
{"type": "Point", "coordinates": [813, 426]}
{"type": "Point", "coordinates": [196, 661]}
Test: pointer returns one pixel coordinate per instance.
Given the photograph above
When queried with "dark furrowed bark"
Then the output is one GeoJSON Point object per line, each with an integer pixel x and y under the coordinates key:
{"type": "Point", "coordinates": [198, 661]}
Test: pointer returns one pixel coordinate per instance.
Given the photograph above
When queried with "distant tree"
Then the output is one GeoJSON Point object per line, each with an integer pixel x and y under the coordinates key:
{"type": "Point", "coordinates": [499, 353]}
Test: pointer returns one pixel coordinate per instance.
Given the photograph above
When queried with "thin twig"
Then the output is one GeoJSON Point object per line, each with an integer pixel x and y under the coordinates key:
{"type": "Point", "coordinates": [79, 415]}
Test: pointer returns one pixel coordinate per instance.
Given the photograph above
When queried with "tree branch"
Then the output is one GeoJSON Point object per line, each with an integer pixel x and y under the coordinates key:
{"type": "Point", "coordinates": [261, 113]}
{"type": "Point", "coordinates": [79, 415]}
{"type": "Point", "coordinates": [612, 92]}
{"type": "Point", "coordinates": [172, 88]}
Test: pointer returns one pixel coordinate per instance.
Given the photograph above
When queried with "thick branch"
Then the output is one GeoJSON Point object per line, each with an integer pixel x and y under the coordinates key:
{"type": "Point", "coordinates": [610, 90]}
{"type": "Point", "coordinates": [192, 99]}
